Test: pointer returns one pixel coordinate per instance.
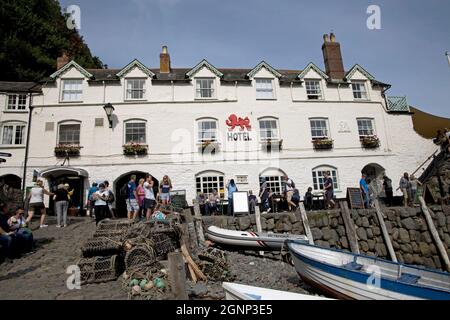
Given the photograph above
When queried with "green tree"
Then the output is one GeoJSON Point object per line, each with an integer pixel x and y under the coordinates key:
{"type": "Point", "coordinates": [33, 34]}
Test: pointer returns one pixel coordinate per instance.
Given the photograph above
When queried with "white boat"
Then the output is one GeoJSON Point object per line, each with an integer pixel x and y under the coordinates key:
{"type": "Point", "coordinates": [235, 291]}
{"type": "Point", "coordinates": [249, 239]}
{"type": "Point", "coordinates": [345, 275]}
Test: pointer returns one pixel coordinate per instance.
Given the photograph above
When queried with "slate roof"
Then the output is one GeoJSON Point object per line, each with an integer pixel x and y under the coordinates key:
{"type": "Point", "coordinates": [11, 86]}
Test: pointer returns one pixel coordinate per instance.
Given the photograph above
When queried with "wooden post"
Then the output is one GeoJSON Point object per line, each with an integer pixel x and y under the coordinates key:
{"type": "Point", "coordinates": [177, 275]}
{"type": "Point", "coordinates": [258, 224]}
{"type": "Point", "coordinates": [349, 227]}
{"type": "Point", "coordinates": [306, 223]}
{"type": "Point", "coordinates": [387, 239]}
{"type": "Point", "coordinates": [435, 233]}
{"type": "Point", "coordinates": [198, 223]}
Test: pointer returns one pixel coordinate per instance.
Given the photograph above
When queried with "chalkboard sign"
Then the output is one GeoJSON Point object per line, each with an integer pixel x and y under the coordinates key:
{"type": "Point", "coordinates": [354, 195]}
{"type": "Point", "coordinates": [240, 203]}
{"type": "Point", "coordinates": [178, 198]}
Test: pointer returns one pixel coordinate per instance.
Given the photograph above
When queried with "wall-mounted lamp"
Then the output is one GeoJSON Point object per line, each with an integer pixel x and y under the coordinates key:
{"type": "Point", "coordinates": [448, 56]}
{"type": "Point", "coordinates": [109, 109]}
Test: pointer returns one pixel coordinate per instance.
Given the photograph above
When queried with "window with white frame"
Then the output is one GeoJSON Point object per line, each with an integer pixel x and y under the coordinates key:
{"type": "Point", "coordinates": [17, 102]}
{"type": "Point", "coordinates": [135, 132]}
{"type": "Point", "coordinates": [13, 134]}
{"type": "Point", "coordinates": [319, 179]}
{"type": "Point", "coordinates": [268, 129]}
{"type": "Point", "coordinates": [319, 128]}
{"type": "Point", "coordinates": [69, 133]}
{"type": "Point", "coordinates": [313, 90]}
{"type": "Point", "coordinates": [204, 88]}
{"type": "Point", "coordinates": [366, 127]}
{"type": "Point", "coordinates": [264, 89]}
{"type": "Point", "coordinates": [72, 90]}
{"type": "Point", "coordinates": [359, 90]}
{"type": "Point", "coordinates": [210, 181]}
{"type": "Point", "coordinates": [135, 89]}
{"type": "Point", "coordinates": [274, 183]}
{"type": "Point", "coordinates": [207, 130]}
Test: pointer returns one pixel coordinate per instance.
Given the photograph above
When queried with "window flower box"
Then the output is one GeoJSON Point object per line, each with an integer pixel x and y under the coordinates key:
{"type": "Point", "coordinates": [272, 144]}
{"type": "Point", "coordinates": [370, 142]}
{"type": "Point", "coordinates": [323, 144]}
{"type": "Point", "coordinates": [135, 149]}
{"type": "Point", "coordinates": [67, 150]}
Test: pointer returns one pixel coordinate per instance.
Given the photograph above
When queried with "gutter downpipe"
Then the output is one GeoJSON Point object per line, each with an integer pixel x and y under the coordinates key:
{"type": "Point", "coordinates": [27, 146]}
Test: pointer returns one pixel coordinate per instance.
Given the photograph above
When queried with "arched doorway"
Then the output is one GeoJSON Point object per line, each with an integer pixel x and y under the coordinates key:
{"type": "Point", "coordinates": [121, 206]}
{"type": "Point", "coordinates": [375, 172]}
{"type": "Point", "coordinates": [12, 181]}
{"type": "Point", "coordinates": [74, 177]}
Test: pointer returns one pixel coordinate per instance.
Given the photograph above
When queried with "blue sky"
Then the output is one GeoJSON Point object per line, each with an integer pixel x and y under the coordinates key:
{"type": "Point", "coordinates": [408, 51]}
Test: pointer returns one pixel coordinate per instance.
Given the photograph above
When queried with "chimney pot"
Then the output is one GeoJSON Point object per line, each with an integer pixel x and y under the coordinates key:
{"type": "Point", "coordinates": [164, 61]}
{"type": "Point", "coordinates": [62, 61]}
{"type": "Point", "coordinates": [332, 37]}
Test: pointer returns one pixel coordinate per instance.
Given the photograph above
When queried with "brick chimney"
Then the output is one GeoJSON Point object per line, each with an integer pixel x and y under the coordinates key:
{"type": "Point", "coordinates": [334, 66]}
{"type": "Point", "coordinates": [62, 61]}
{"type": "Point", "coordinates": [164, 61]}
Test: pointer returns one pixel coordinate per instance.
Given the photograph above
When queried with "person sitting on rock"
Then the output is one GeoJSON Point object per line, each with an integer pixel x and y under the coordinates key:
{"type": "Point", "coordinates": [18, 225]}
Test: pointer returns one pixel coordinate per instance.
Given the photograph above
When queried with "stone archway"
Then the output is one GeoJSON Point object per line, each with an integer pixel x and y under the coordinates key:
{"type": "Point", "coordinates": [375, 172]}
{"type": "Point", "coordinates": [121, 207]}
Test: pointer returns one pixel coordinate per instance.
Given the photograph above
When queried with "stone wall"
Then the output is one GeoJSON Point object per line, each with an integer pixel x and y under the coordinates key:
{"type": "Point", "coordinates": [411, 239]}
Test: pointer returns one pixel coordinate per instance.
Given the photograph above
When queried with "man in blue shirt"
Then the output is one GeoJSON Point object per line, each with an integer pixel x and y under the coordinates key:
{"type": "Point", "coordinates": [132, 204]}
{"type": "Point", "coordinates": [365, 190]}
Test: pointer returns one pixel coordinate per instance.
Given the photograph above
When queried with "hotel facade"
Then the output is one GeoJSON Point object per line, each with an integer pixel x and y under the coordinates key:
{"type": "Point", "coordinates": [205, 125]}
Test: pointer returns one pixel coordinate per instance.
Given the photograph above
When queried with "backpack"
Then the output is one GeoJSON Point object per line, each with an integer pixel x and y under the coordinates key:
{"type": "Point", "coordinates": [111, 197]}
{"type": "Point", "coordinates": [125, 191]}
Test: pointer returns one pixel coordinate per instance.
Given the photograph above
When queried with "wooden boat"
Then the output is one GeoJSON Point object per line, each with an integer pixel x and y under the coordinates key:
{"type": "Point", "coordinates": [249, 239]}
{"type": "Point", "coordinates": [235, 291]}
{"type": "Point", "coordinates": [345, 275]}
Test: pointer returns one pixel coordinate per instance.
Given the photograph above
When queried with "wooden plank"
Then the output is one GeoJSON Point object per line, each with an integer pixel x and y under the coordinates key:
{"type": "Point", "coordinates": [198, 223]}
{"type": "Point", "coordinates": [306, 223]}
{"type": "Point", "coordinates": [349, 227]}
{"type": "Point", "coordinates": [386, 237]}
{"type": "Point", "coordinates": [258, 224]}
{"type": "Point", "coordinates": [177, 275]}
{"type": "Point", "coordinates": [190, 261]}
{"type": "Point", "coordinates": [435, 233]}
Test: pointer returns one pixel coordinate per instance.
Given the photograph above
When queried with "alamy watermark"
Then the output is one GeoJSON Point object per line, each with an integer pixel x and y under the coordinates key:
{"type": "Point", "coordinates": [374, 19]}
{"type": "Point", "coordinates": [73, 282]}
{"type": "Point", "coordinates": [74, 19]}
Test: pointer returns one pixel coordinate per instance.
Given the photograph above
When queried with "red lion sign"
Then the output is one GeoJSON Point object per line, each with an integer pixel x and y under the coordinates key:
{"type": "Point", "coordinates": [233, 122]}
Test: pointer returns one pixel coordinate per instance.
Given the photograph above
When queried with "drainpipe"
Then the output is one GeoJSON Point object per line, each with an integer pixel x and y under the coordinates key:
{"type": "Point", "coordinates": [27, 146]}
{"type": "Point", "coordinates": [235, 90]}
{"type": "Point", "coordinates": [173, 90]}
{"type": "Point", "coordinates": [292, 95]}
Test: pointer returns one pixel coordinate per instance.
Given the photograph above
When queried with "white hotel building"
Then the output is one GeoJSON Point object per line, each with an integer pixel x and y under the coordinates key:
{"type": "Point", "coordinates": [173, 113]}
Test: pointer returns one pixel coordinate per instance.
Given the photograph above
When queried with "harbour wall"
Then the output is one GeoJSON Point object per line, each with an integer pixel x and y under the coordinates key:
{"type": "Point", "coordinates": [408, 231]}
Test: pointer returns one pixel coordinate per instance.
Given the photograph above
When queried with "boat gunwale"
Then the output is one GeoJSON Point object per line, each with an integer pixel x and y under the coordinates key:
{"type": "Point", "coordinates": [299, 256]}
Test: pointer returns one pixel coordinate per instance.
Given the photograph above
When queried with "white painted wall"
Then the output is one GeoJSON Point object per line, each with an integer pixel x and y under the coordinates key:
{"type": "Point", "coordinates": [172, 132]}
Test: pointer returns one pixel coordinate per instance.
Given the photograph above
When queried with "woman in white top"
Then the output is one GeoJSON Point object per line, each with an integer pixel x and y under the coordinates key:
{"type": "Point", "coordinates": [36, 202]}
{"type": "Point", "coordinates": [101, 206]}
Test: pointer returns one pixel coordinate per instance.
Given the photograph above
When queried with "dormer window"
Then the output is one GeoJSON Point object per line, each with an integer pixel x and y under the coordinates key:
{"type": "Point", "coordinates": [313, 90]}
{"type": "Point", "coordinates": [72, 90]}
{"type": "Point", "coordinates": [359, 90]}
{"type": "Point", "coordinates": [135, 89]}
{"type": "Point", "coordinates": [204, 88]}
{"type": "Point", "coordinates": [264, 89]}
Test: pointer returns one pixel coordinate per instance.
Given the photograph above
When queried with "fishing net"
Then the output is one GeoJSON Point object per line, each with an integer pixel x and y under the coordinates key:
{"type": "Point", "coordinates": [112, 234]}
{"type": "Point", "coordinates": [99, 269]}
{"type": "Point", "coordinates": [122, 224]}
{"type": "Point", "coordinates": [101, 246]}
{"type": "Point", "coordinates": [213, 263]}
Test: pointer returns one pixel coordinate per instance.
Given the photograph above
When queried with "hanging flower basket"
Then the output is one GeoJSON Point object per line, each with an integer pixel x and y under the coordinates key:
{"type": "Point", "coordinates": [135, 149]}
{"type": "Point", "coordinates": [64, 150]}
{"type": "Point", "coordinates": [270, 144]}
{"type": "Point", "coordinates": [323, 144]}
{"type": "Point", "coordinates": [370, 142]}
